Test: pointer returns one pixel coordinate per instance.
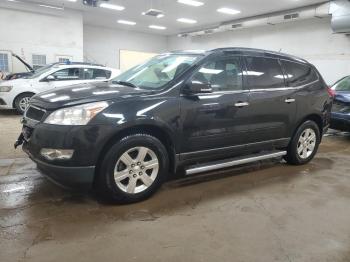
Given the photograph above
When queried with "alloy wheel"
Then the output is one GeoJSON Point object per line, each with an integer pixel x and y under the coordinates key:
{"type": "Point", "coordinates": [23, 103]}
{"type": "Point", "coordinates": [307, 143]}
{"type": "Point", "coordinates": [136, 170]}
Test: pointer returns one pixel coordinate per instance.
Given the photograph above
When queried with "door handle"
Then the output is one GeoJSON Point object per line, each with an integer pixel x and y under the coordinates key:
{"type": "Point", "coordinates": [241, 104]}
{"type": "Point", "coordinates": [289, 100]}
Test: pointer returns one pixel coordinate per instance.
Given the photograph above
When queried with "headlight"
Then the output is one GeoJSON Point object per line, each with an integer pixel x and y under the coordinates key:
{"type": "Point", "coordinates": [76, 115]}
{"type": "Point", "coordinates": [5, 88]}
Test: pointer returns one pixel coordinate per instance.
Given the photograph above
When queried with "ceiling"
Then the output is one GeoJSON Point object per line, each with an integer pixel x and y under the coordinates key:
{"type": "Point", "coordinates": [205, 15]}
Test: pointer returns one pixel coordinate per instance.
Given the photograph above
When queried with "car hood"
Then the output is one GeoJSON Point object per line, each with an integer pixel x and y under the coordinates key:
{"type": "Point", "coordinates": [85, 93]}
{"type": "Point", "coordinates": [342, 96]}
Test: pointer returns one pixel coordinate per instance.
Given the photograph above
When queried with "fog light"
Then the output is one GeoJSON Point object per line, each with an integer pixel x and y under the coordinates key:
{"type": "Point", "coordinates": [57, 154]}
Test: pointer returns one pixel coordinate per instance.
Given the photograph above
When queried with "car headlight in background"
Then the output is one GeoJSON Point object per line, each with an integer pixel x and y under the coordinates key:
{"type": "Point", "coordinates": [76, 115]}
{"type": "Point", "coordinates": [5, 88]}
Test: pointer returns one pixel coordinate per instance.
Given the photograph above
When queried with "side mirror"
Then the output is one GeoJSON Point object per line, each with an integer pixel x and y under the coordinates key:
{"type": "Point", "coordinates": [197, 87]}
{"type": "Point", "coordinates": [50, 78]}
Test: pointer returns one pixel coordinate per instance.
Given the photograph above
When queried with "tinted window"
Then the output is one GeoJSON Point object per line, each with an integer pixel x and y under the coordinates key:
{"type": "Point", "coordinates": [91, 73]}
{"type": "Point", "coordinates": [343, 85]}
{"type": "Point", "coordinates": [298, 74]}
{"type": "Point", "coordinates": [264, 73]}
{"type": "Point", "coordinates": [67, 74]}
{"type": "Point", "coordinates": [222, 75]}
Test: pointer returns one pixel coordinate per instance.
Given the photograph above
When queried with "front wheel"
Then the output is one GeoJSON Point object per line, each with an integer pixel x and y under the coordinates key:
{"type": "Point", "coordinates": [22, 102]}
{"type": "Point", "coordinates": [304, 144]}
{"type": "Point", "coordinates": [133, 169]}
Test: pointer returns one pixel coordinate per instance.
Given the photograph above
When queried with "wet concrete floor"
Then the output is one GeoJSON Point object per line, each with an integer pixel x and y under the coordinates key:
{"type": "Point", "coordinates": [266, 211]}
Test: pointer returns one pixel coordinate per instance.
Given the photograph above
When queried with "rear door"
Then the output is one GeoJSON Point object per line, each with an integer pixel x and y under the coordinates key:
{"type": "Point", "coordinates": [272, 103]}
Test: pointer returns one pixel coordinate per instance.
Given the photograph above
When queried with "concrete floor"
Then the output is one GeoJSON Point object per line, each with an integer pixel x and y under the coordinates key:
{"type": "Point", "coordinates": [266, 211]}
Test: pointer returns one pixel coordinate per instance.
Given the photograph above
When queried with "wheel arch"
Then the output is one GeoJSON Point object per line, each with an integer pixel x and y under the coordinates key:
{"type": "Point", "coordinates": [14, 100]}
{"type": "Point", "coordinates": [313, 117]}
{"type": "Point", "coordinates": [151, 129]}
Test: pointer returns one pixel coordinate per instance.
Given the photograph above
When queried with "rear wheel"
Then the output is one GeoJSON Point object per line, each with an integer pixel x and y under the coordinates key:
{"type": "Point", "coordinates": [22, 102]}
{"type": "Point", "coordinates": [133, 169]}
{"type": "Point", "coordinates": [304, 144]}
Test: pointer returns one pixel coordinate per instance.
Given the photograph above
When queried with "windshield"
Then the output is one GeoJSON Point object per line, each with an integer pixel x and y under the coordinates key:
{"type": "Point", "coordinates": [342, 85]}
{"type": "Point", "coordinates": [157, 72]}
{"type": "Point", "coordinates": [40, 71]}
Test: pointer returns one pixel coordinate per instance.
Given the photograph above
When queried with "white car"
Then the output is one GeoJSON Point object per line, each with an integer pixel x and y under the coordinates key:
{"type": "Point", "coordinates": [17, 93]}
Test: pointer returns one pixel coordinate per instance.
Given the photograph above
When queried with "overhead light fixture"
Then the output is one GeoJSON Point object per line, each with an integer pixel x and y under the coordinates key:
{"type": "Point", "coordinates": [158, 27]}
{"type": "Point", "coordinates": [190, 2]}
{"type": "Point", "coordinates": [52, 7]}
{"type": "Point", "coordinates": [71, 0]}
{"type": "Point", "coordinates": [113, 7]}
{"type": "Point", "coordinates": [126, 22]}
{"type": "Point", "coordinates": [187, 20]}
{"type": "Point", "coordinates": [154, 12]}
{"type": "Point", "coordinates": [228, 11]}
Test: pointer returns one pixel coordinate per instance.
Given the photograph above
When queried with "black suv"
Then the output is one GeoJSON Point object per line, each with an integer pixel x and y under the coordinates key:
{"type": "Point", "coordinates": [191, 111]}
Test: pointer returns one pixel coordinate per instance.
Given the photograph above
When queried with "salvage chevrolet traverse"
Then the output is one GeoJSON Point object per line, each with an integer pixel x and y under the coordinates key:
{"type": "Point", "coordinates": [192, 111]}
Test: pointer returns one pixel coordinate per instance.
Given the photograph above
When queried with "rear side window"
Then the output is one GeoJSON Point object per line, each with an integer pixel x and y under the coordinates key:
{"type": "Point", "coordinates": [298, 74]}
{"type": "Point", "coordinates": [264, 73]}
{"type": "Point", "coordinates": [91, 74]}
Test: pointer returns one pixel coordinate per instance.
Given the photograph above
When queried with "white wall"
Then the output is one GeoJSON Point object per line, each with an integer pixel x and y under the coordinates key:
{"type": "Point", "coordinates": [311, 39]}
{"type": "Point", "coordinates": [102, 45]}
{"type": "Point", "coordinates": [27, 33]}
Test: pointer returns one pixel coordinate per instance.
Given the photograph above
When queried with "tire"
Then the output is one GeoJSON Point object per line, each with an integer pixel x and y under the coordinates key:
{"type": "Point", "coordinates": [304, 144]}
{"type": "Point", "coordinates": [21, 102]}
{"type": "Point", "coordinates": [123, 176]}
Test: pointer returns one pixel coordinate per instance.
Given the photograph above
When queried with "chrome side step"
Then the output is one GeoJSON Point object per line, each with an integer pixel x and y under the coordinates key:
{"type": "Point", "coordinates": [233, 162]}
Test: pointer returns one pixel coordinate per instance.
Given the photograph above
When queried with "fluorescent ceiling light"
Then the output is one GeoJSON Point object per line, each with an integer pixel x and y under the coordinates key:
{"type": "Point", "coordinates": [52, 7]}
{"type": "Point", "coordinates": [186, 20]}
{"type": "Point", "coordinates": [158, 27]}
{"type": "Point", "coordinates": [71, 0]}
{"type": "Point", "coordinates": [190, 2]}
{"type": "Point", "coordinates": [126, 22]}
{"type": "Point", "coordinates": [114, 7]}
{"type": "Point", "coordinates": [228, 11]}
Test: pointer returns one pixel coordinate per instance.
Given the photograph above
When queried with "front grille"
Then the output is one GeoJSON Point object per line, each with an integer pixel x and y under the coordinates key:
{"type": "Point", "coordinates": [35, 113]}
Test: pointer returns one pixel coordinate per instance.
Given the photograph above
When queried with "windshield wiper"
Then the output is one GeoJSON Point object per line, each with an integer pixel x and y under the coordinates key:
{"type": "Point", "coordinates": [125, 83]}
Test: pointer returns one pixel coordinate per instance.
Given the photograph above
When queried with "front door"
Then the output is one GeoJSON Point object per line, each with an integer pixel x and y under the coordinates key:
{"type": "Point", "coordinates": [66, 77]}
{"type": "Point", "coordinates": [215, 122]}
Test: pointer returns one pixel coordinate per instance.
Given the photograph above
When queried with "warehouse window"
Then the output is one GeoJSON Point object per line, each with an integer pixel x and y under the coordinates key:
{"type": "Point", "coordinates": [4, 62]}
{"type": "Point", "coordinates": [38, 61]}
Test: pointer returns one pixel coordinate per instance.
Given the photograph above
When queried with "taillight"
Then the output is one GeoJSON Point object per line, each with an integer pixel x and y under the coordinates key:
{"type": "Point", "coordinates": [331, 92]}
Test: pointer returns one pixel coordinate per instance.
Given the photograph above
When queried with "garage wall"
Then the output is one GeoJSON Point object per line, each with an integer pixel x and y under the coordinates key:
{"type": "Point", "coordinates": [27, 33]}
{"type": "Point", "coordinates": [102, 45]}
{"type": "Point", "coordinates": [310, 39]}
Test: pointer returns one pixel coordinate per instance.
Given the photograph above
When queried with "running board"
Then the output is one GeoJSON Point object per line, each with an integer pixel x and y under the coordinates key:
{"type": "Point", "coordinates": [233, 162]}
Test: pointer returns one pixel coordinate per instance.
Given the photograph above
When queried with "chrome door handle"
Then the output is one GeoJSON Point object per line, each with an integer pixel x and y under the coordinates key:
{"type": "Point", "coordinates": [289, 100]}
{"type": "Point", "coordinates": [241, 104]}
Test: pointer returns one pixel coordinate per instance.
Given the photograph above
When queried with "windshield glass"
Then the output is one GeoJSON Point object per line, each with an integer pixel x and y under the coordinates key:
{"type": "Point", "coordinates": [343, 85]}
{"type": "Point", "coordinates": [40, 71]}
{"type": "Point", "coordinates": [157, 72]}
